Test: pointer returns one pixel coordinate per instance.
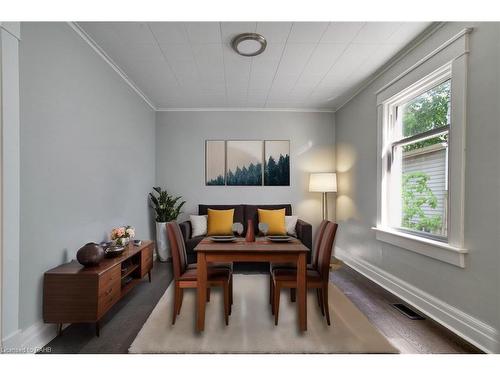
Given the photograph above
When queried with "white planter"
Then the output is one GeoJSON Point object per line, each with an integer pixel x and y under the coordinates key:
{"type": "Point", "coordinates": [162, 245]}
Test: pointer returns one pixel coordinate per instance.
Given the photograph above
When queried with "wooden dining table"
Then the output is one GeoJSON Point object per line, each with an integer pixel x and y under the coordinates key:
{"type": "Point", "coordinates": [261, 250]}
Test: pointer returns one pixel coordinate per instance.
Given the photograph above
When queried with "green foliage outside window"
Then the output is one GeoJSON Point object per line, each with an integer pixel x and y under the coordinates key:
{"type": "Point", "coordinates": [416, 194]}
{"type": "Point", "coordinates": [426, 112]}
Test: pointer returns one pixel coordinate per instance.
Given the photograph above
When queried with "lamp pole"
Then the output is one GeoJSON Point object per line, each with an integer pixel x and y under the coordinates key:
{"type": "Point", "coordinates": [325, 206]}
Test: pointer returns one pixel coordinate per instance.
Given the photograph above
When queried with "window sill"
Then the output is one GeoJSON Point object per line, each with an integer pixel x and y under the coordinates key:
{"type": "Point", "coordinates": [423, 246]}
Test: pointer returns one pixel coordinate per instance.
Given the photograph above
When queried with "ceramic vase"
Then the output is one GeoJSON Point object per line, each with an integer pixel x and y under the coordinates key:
{"type": "Point", "coordinates": [90, 255]}
{"type": "Point", "coordinates": [250, 237]}
{"type": "Point", "coordinates": [162, 245]}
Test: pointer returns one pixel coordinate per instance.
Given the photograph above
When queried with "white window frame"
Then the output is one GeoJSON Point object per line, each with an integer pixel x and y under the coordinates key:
{"type": "Point", "coordinates": [391, 128]}
{"type": "Point", "coordinates": [448, 61]}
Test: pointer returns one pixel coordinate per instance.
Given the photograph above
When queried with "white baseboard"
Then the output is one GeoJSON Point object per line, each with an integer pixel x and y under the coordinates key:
{"type": "Point", "coordinates": [31, 339]}
{"type": "Point", "coordinates": [478, 333]}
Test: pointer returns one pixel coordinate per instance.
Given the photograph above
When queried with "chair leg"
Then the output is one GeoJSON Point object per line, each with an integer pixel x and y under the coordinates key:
{"type": "Point", "coordinates": [176, 303]}
{"type": "Point", "coordinates": [271, 294]}
{"type": "Point", "coordinates": [226, 302]}
{"type": "Point", "coordinates": [276, 293]}
{"type": "Point", "coordinates": [270, 288]}
{"type": "Point", "coordinates": [320, 301]}
{"type": "Point", "coordinates": [208, 294]}
{"type": "Point", "coordinates": [231, 290]}
{"type": "Point", "coordinates": [325, 303]}
{"type": "Point", "coordinates": [292, 294]}
{"type": "Point", "coordinates": [181, 297]}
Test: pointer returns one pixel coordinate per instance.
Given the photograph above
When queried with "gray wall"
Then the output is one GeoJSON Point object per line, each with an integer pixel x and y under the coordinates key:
{"type": "Point", "coordinates": [9, 179]}
{"type": "Point", "coordinates": [180, 156]}
{"type": "Point", "coordinates": [87, 154]}
{"type": "Point", "coordinates": [474, 290]}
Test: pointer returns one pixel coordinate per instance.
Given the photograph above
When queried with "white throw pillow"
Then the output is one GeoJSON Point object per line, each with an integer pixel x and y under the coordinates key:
{"type": "Point", "coordinates": [199, 225]}
{"type": "Point", "coordinates": [290, 223]}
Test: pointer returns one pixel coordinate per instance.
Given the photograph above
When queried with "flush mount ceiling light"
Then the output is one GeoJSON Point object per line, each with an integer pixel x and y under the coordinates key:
{"type": "Point", "coordinates": [249, 44]}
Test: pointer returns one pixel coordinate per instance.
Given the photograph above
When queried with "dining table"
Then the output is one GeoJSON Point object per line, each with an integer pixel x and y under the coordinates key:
{"type": "Point", "coordinates": [261, 250]}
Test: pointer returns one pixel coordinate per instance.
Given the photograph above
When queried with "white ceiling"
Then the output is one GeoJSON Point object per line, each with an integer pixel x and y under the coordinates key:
{"type": "Point", "coordinates": [309, 65]}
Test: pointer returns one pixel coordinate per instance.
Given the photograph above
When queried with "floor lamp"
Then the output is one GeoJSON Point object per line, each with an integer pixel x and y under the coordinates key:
{"type": "Point", "coordinates": [323, 183]}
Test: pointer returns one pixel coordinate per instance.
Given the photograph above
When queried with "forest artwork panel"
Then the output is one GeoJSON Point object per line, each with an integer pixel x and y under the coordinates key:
{"type": "Point", "coordinates": [244, 163]}
{"type": "Point", "coordinates": [215, 162]}
{"type": "Point", "coordinates": [277, 163]}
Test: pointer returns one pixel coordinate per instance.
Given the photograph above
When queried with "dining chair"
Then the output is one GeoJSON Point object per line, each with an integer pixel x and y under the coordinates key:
{"type": "Point", "coordinates": [185, 275]}
{"type": "Point", "coordinates": [313, 265]}
{"type": "Point", "coordinates": [316, 277]}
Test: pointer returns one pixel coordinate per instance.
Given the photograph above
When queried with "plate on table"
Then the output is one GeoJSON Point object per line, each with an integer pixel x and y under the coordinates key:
{"type": "Point", "coordinates": [279, 238]}
{"type": "Point", "coordinates": [223, 238]}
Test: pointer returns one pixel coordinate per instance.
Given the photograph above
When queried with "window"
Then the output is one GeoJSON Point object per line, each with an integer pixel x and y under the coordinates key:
{"type": "Point", "coordinates": [421, 155]}
{"type": "Point", "coordinates": [417, 168]}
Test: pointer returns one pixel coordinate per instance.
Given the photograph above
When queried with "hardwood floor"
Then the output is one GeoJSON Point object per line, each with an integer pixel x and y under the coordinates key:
{"type": "Point", "coordinates": [123, 322]}
{"type": "Point", "coordinates": [409, 336]}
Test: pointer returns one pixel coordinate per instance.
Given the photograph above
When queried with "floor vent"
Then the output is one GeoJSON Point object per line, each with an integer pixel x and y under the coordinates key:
{"type": "Point", "coordinates": [408, 312]}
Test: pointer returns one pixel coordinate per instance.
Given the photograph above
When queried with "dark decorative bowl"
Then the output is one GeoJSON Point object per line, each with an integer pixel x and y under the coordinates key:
{"type": "Point", "coordinates": [114, 251]}
{"type": "Point", "coordinates": [90, 255]}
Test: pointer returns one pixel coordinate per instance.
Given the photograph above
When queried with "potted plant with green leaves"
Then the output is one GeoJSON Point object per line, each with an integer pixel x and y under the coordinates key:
{"type": "Point", "coordinates": [167, 208]}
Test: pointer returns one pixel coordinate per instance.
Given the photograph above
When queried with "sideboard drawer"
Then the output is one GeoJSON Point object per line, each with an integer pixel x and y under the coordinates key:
{"type": "Point", "coordinates": [110, 279]}
{"type": "Point", "coordinates": [108, 299]}
{"type": "Point", "coordinates": [109, 289]}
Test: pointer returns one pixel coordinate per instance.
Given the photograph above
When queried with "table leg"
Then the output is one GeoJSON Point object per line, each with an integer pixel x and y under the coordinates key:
{"type": "Point", "coordinates": [202, 290]}
{"type": "Point", "coordinates": [302, 291]}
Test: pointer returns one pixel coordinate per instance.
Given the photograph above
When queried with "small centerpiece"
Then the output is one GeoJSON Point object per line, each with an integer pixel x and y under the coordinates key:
{"type": "Point", "coordinates": [122, 235]}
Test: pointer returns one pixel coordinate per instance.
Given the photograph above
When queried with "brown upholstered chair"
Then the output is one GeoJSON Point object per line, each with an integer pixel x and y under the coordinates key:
{"type": "Point", "coordinates": [185, 276]}
{"type": "Point", "coordinates": [311, 266]}
{"type": "Point", "coordinates": [316, 278]}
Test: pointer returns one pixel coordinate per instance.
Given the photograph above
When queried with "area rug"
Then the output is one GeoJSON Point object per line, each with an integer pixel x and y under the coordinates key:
{"type": "Point", "coordinates": [251, 326]}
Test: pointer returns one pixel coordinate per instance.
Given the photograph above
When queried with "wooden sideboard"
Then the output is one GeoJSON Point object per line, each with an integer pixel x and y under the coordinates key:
{"type": "Point", "coordinates": [76, 294]}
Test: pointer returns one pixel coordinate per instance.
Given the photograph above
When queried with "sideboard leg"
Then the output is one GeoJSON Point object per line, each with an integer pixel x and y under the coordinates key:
{"type": "Point", "coordinates": [149, 275]}
{"type": "Point", "coordinates": [59, 329]}
{"type": "Point", "coordinates": [97, 328]}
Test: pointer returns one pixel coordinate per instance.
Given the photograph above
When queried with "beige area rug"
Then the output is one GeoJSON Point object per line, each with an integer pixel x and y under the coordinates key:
{"type": "Point", "coordinates": [251, 325]}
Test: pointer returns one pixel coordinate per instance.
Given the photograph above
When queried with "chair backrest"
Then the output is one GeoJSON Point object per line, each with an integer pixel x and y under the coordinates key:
{"type": "Point", "coordinates": [177, 247]}
{"type": "Point", "coordinates": [317, 241]}
{"type": "Point", "coordinates": [325, 249]}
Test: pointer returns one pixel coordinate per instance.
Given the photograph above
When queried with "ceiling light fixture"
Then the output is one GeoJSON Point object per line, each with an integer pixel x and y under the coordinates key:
{"type": "Point", "coordinates": [249, 44]}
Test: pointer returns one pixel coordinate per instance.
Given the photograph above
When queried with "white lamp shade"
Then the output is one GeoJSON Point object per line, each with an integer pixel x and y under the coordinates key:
{"type": "Point", "coordinates": [323, 182]}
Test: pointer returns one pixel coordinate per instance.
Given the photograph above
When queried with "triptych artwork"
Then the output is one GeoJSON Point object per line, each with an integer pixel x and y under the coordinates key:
{"type": "Point", "coordinates": [247, 163]}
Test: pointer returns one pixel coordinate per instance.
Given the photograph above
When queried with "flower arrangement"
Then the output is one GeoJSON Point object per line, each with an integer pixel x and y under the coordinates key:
{"type": "Point", "coordinates": [122, 235]}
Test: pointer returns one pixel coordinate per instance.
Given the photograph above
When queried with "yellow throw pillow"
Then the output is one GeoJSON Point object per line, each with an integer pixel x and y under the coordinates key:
{"type": "Point", "coordinates": [275, 219]}
{"type": "Point", "coordinates": [220, 222]}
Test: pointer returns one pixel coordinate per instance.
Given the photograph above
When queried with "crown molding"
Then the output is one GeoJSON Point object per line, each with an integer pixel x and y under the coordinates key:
{"type": "Point", "coordinates": [429, 31]}
{"type": "Point", "coordinates": [93, 44]}
{"type": "Point", "coordinates": [441, 47]}
{"type": "Point", "coordinates": [244, 109]}
{"type": "Point", "coordinates": [400, 55]}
